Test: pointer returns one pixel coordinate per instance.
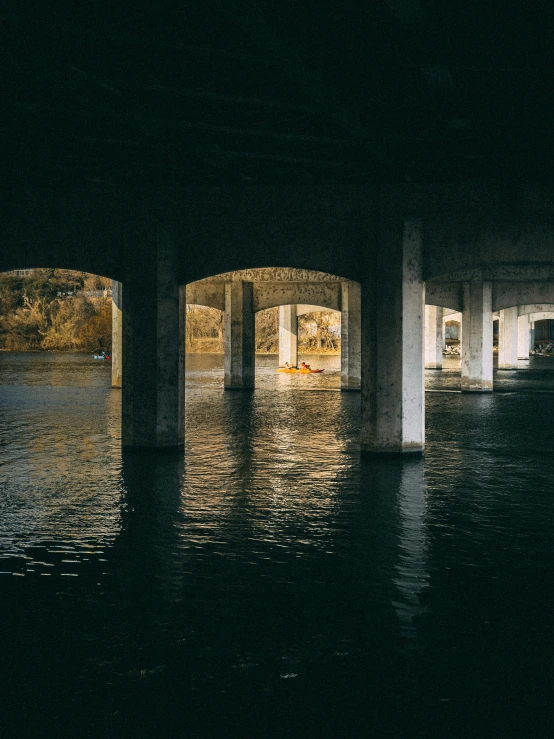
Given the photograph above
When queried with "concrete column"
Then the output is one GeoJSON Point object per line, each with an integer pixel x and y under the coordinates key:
{"type": "Point", "coordinates": [239, 335]}
{"type": "Point", "coordinates": [288, 335]}
{"type": "Point", "coordinates": [350, 336]}
{"type": "Point", "coordinates": [477, 337]}
{"type": "Point", "coordinates": [117, 334]}
{"type": "Point", "coordinates": [507, 339]}
{"type": "Point", "coordinates": [393, 303]}
{"type": "Point", "coordinates": [433, 337]}
{"type": "Point", "coordinates": [523, 336]}
{"type": "Point", "coordinates": [153, 344]}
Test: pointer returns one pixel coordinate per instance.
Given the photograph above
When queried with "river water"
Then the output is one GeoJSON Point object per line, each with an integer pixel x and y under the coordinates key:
{"type": "Point", "coordinates": [270, 582]}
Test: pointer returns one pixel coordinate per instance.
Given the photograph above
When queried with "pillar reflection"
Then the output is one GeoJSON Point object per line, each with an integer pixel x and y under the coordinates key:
{"type": "Point", "coordinates": [396, 540]}
{"type": "Point", "coordinates": [146, 552]}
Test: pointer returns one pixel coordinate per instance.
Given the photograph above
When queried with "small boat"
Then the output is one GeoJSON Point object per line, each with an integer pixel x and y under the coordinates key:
{"type": "Point", "coordinates": [101, 356]}
{"type": "Point", "coordinates": [294, 370]}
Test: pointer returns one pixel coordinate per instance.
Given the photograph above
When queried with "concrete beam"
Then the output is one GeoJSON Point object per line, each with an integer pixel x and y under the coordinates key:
{"type": "Point", "coordinates": [444, 294]}
{"type": "Point", "coordinates": [510, 294]}
{"type": "Point", "coordinates": [535, 308]}
{"type": "Point", "coordinates": [273, 294]}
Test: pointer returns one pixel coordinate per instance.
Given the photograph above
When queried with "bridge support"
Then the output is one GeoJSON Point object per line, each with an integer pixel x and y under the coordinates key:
{"type": "Point", "coordinates": [531, 335]}
{"type": "Point", "coordinates": [351, 336]}
{"type": "Point", "coordinates": [288, 335]}
{"type": "Point", "coordinates": [523, 336]}
{"type": "Point", "coordinates": [393, 408]}
{"type": "Point", "coordinates": [477, 337]}
{"type": "Point", "coordinates": [117, 334]}
{"type": "Point", "coordinates": [433, 337]}
{"type": "Point", "coordinates": [508, 339]}
{"type": "Point", "coordinates": [239, 363]}
{"type": "Point", "coordinates": [153, 346]}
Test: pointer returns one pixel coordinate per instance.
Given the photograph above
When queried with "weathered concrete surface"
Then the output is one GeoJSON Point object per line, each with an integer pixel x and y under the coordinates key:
{"type": "Point", "coordinates": [302, 309]}
{"type": "Point", "coordinates": [482, 229]}
{"type": "Point", "coordinates": [239, 362]}
{"type": "Point", "coordinates": [153, 345]}
{"type": "Point", "coordinates": [117, 335]}
{"type": "Point", "coordinates": [477, 337]}
{"type": "Point", "coordinates": [270, 295]}
{"type": "Point", "coordinates": [542, 316]}
{"type": "Point", "coordinates": [433, 337]}
{"type": "Point", "coordinates": [535, 308]}
{"type": "Point", "coordinates": [351, 338]}
{"type": "Point", "coordinates": [523, 336]}
{"type": "Point", "coordinates": [393, 409]}
{"type": "Point", "coordinates": [266, 294]}
{"type": "Point", "coordinates": [288, 336]}
{"type": "Point", "coordinates": [508, 339]}
{"type": "Point", "coordinates": [510, 294]}
{"type": "Point", "coordinates": [445, 294]}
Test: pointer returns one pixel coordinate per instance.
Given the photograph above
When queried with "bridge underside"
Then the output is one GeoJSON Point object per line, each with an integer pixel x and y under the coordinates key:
{"type": "Point", "coordinates": [376, 142]}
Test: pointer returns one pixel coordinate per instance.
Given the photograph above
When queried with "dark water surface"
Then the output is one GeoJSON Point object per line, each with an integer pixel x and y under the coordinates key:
{"type": "Point", "coordinates": [271, 583]}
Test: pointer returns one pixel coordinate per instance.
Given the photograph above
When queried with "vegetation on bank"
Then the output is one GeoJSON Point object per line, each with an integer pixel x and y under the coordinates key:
{"type": "Point", "coordinates": [56, 309]}
{"type": "Point", "coordinates": [317, 332]}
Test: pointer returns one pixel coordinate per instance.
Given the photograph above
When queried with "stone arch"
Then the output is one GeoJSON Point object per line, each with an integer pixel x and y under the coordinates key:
{"type": "Point", "coordinates": [535, 308]}
{"type": "Point", "coordinates": [272, 287]}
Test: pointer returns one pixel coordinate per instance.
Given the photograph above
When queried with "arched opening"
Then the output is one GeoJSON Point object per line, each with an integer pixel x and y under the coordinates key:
{"type": "Point", "coordinates": [272, 312]}
{"type": "Point", "coordinates": [50, 309]}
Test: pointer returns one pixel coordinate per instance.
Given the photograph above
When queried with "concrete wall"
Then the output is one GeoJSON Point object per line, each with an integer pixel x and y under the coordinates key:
{"type": "Point", "coordinates": [272, 287]}
{"type": "Point", "coordinates": [483, 230]}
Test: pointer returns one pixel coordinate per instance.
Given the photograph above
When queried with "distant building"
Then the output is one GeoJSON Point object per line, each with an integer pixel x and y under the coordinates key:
{"type": "Point", "coordinates": [19, 272]}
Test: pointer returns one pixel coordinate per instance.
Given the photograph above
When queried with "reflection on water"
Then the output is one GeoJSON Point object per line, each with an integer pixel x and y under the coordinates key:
{"type": "Point", "coordinates": [271, 582]}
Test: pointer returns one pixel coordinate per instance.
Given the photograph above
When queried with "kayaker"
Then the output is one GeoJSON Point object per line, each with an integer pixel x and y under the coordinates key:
{"type": "Point", "coordinates": [287, 365]}
{"type": "Point", "coordinates": [305, 366]}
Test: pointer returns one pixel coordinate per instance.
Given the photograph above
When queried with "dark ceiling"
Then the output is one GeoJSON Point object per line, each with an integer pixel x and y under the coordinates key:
{"type": "Point", "coordinates": [217, 92]}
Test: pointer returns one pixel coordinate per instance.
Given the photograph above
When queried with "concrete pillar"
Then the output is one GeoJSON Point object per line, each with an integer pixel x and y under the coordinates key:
{"type": "Point", "coordinates": [477, 337]}
{"type": "Point", "coordinates": [507, 339]}
{"type": "Point", "coordinates": [288, 335]}
{"type": "Point", "coordinates": [531, 335]}
{"type": "Point", "coordinates": [117, 334]}
{"type": "Point", "coordinates": [393, 303]}
{"type": "Point", "coordinates": [433, 337]}
{"type": "Point", "coordinates": [239, 336]}
{"type": "Point", "coordinates": [350, 336]}
{"type": "Point", "coordinates": [523, 336]}
{"type": "Point", "coordinates": [153, 345]}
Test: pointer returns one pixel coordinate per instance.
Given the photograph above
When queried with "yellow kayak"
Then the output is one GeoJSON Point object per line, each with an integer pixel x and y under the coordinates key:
{"type": "Point", "coordinates": [293, 370]}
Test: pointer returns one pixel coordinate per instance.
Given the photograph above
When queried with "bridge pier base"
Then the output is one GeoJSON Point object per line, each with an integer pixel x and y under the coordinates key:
{"type": "Point", "coordinates": [508, 339]}
{"type": "Point", "coordinates": [240, 344]}
{"type": "Point", "coordinates": [117, 334]}
{"type": "Point", "coordinates": [433, 337]}
{"type": "Point", "coordinates": [288, 335]}
{"type": "Point", "coordinates": [351, 336]}
{"type": "Point", "coordinates": [393, 297]}
{"type": "Point", "coordinates": [153, 347]}
{"type": "Point", "coordinates": [477, 337]}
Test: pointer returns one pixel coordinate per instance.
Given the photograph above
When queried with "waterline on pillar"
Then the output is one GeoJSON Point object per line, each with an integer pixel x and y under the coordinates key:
{"type": "Point", "coordinates": [404, 452]}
